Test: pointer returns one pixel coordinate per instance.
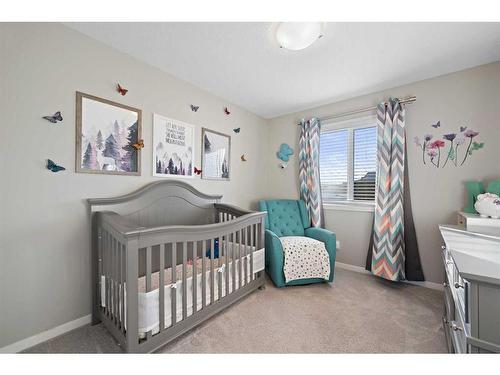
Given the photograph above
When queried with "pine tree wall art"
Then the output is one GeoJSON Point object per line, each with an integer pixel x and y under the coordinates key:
{"type": "Point", "coordinates": [106, 132]}
{"type": "Point", "coordinates": [173, 147]}
{"type": "Point", "coordinates": [215, 158]}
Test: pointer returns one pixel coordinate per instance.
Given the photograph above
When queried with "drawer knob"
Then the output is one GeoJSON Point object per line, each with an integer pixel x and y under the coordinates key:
{"type": "Point", "coordinates": [445, 284]}
{"type": "Point", "coordinates": [443, 247]}
{"type": "Point", "coordinates": [457, 285]}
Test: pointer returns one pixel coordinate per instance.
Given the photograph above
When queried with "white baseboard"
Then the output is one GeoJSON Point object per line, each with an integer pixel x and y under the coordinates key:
{"type": "Point", "coordinates": [425, 284]}
{"type": "Point", "coordinates": [351, 267]}
{"type": "Point", "coordinates": [46, 335]}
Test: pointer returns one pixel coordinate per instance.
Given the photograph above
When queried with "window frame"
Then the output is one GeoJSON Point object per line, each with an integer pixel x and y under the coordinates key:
{"type": "Point", "coordinates": [351, 125]}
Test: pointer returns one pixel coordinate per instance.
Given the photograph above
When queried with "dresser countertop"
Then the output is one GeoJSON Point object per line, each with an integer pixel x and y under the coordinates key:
{"type": "Point", "coordinates": [476, 252]}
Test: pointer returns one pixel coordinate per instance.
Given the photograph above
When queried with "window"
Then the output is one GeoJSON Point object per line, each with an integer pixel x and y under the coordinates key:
{"type": "Point", "coordinates": [348, 161]}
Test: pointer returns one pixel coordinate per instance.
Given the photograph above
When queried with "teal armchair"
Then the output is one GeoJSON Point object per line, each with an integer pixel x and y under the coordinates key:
{"type": "Point", "coordinates": [287, 217]}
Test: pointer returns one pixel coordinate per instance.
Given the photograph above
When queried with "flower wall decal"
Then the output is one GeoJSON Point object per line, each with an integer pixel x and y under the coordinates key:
{"type": "Point", "coordinates": [431, 147]}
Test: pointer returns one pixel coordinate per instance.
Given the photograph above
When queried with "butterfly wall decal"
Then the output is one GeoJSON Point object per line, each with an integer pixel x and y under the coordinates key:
{"type": "Point", "coordinates": [226, 111]}
{"type": "Point", "coordinates": [284, 152]}
{"type": "Point", "coordinates": [194, 108]}
{"type": "Point", "coordinates": [243, 157]}
{"type": "Point", "coordinates": [139, 144]}
{"type": "Point", "coordinates": [463, 128]}
{"type": "Point", "coordinates": [121, 90]}
{"type": "Point", "coordinates": [236, 130]}
{"type": "Point", "coordinates": [53, 167]}
{"type": "Point", "coordinates": [436, 125]}
{"type": "Point", "coordinates": [197, 171]}
{"type": "Point", "coordinates": [54, 118]}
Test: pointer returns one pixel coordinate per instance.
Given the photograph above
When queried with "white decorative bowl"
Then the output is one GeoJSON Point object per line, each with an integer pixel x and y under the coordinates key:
{"type": "Point", "coordinates": [488, 205]}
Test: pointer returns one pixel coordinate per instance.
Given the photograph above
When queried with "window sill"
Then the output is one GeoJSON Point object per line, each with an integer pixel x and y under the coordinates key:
{"type": "Point", "coordinates": [350, 206]}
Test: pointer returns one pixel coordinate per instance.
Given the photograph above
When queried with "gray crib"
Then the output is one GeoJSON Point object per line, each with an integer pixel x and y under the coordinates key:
{"type": "Point", "coordinates": [166, 258]}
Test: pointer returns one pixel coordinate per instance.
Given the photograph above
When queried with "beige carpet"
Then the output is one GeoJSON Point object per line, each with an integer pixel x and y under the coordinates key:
{"type": "Point", "coordinates": [357, 314]}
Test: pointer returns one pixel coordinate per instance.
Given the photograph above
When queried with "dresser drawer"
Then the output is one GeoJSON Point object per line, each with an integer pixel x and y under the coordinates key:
{"type": "Point", "coordinates": [449, 304]}
{"type": "Point", "coordinates": [456, 286]}
{"type": "Point", "coordinates": [458, 336]}
{"type": "Point", "coordinates": [447, 335]}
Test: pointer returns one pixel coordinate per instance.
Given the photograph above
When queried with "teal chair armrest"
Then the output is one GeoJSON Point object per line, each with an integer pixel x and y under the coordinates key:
{"type": "Point", "coordinates": [330, 241]}
{"type": "Point", "coordinates": [274, 258]}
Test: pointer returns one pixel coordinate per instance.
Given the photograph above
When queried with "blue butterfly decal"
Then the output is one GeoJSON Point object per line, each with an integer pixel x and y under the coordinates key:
{"type": "Point", "coordinates": [236, 130]}
{"type": "Point", "coordinates": [51, 166]}
{"type": "Point", "coordinates": [194, 108]}
{"type": "Point", "coordinates": [436, 125]}
{"type": "Point", "coordinates": [54, 118]}
{"type": "Point", "coordinates": [284, 152]}
{"type": "Point", "coordinates": [463, 128]}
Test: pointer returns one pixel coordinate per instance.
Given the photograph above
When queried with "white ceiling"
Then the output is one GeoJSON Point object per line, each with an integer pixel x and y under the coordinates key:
{"type": "Point", "coordinates": [242, 63]}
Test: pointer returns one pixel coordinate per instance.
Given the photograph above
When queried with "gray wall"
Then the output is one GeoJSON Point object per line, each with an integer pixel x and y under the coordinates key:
{"type": "Point", "coordinates": [44, 250]}
{"type": "Point", "coordinates": [470, 97]}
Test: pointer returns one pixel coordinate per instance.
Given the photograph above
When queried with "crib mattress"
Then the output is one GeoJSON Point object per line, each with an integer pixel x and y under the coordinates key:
{"type": "Point", "coordinates": [149, 304]}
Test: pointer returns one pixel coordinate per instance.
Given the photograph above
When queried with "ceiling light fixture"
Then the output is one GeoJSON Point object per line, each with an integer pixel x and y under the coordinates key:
{"type": "Point", "coordinates": [295, 36]}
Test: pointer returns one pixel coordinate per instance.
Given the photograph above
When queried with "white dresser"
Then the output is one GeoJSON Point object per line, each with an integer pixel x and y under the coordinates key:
{"type": "Point", "coordinates": [471, 261]}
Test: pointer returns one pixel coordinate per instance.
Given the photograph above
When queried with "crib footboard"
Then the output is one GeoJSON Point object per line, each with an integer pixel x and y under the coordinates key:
{"type": "Point", "coordinates": [155, 284]}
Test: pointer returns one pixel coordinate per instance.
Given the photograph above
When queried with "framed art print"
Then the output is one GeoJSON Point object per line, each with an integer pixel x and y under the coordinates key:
{"type": "Point", "coordinates": [106, 133]}
{"type": "Point", "coordinates": [173, 147]}
{"type": "Point", "coordinates": [215, 157]}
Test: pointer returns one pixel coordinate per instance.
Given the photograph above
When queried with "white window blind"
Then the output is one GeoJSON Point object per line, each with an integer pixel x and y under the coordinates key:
{"type": "Point", "coordinates": [348, 163]}
{"type": "Point", "coordinates": [333, 162]}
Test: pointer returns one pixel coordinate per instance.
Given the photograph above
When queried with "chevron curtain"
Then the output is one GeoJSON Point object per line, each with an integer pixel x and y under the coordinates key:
{"type": "Point", "coordinates": [310, 188]}
{"type": "Point", "coordinates": [388, 251]}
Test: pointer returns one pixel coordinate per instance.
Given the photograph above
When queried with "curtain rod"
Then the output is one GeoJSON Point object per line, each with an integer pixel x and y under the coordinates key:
{"type": "Point", "coordinates": [406, 100]}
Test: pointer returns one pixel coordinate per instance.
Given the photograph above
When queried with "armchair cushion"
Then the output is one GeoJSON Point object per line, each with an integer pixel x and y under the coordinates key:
{"type": "Point", "coordinates": [285, 217]}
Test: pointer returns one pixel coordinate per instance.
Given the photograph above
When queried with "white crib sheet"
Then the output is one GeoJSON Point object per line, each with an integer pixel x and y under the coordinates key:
{"type": "Point", "coordinates": [149, 303]}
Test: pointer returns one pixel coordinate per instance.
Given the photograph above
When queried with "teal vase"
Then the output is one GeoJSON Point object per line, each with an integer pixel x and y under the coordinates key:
{"type": "Point", "coordinates": [494, 187]}
{"type": "Point", "coordinates": [474, 188]}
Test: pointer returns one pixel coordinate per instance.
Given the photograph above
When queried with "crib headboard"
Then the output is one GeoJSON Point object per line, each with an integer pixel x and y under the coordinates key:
{"type": "Point", "coordinates": [168, 202]}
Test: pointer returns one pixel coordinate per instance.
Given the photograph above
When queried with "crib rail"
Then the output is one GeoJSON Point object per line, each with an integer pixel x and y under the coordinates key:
{"type": "Point", "coordinates": [180, 274]}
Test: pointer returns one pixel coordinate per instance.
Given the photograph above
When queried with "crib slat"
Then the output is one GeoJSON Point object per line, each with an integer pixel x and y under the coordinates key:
{"type": "Point", "coordinates": [184, 280]}
{"type": "Point", "coordinates": [240, 244]}
{"type": "Point", "coordinates": [195, 276]}
{"type": "Point", "coordinates": [115, 281]}
{"type": "Point", "coordinates": [106, 265]}
{"type": "Point", "coordinates": [104, 250]}
{"type": "Point", "coordinates": [110, 272]}
{"type": "Point", "coordinates": [245, 260]}
{"type": "Point", "coordinates": [260, 229]}
{"type": "Point", "coordinates": [203, 275]}
{"type": "Point", "coordinates": [173, 291]}
{"type": "Point", "coordinates": [226, 258]}
{"type": "Point", "coordinates": [161, 285]}
{"type": "Point", "coordinates": [116, 267]}
{"type": "Point", "coordinates": [233, 259]}
{"type": "Point", "coordinates": [110, 282]}
{"type": "Point", "coordinates": [148, 278]}
{"type": "Point", "coordinates": [122, 287]}
{"type": "Point", "coordinates": [219, 274]}
{"type": "Point", "coordinates": [110, 275]}
{"type": "Point", "coordinates": [252, 244]}
{"type": "Point", "coordinates": [99, 266]}
{"type": "Point", "coordinates": [212, 278]}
